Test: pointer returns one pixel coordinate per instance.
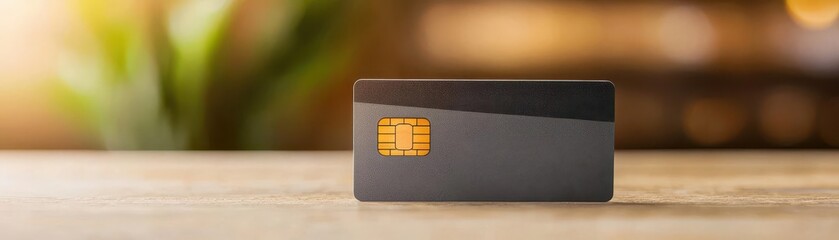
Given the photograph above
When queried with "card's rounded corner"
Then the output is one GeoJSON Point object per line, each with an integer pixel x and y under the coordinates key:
{"type": "Point", "coordinates": [357, 82]}
{"type": "Point", "coordinates": [609, 197]}
{"type": "Point", "coordinates": [360, 197]}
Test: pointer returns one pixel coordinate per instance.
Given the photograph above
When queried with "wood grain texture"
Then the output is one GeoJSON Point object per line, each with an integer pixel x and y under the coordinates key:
{"type": "Point", "coordinates": [294, 195]}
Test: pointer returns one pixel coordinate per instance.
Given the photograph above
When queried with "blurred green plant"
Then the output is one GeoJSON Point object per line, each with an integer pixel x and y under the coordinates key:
{"type": "Point", "coordinates": [199, 74]}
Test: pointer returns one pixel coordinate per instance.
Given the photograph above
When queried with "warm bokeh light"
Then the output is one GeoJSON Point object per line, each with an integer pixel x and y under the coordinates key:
{"type": "Point", "coordinates": [508, 35]}
{"type": "Point", "coordinates": [712, 121]}
{"type": "Point", "coordinates": [787, 115]}
{"type": "Point", "coordinates": [30, 34]}
{"type": "Point", "coordinates": [30, 44]}
{"type": "Point", "coordinates": [686, 35]}
{"type": "Point", "coordinates": [813, 14]}
{"type": "Point", "coordinates": [812, 51]}
{"type": "Point", "coordinates": [262, 74]}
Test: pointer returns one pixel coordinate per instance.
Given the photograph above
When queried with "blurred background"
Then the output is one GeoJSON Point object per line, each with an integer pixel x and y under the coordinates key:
{"type": "Point", "coordinates": [268, 74]}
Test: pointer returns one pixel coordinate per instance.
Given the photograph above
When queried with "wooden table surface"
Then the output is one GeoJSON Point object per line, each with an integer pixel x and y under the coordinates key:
{"type": "Point", "coordinates": [292, 195]}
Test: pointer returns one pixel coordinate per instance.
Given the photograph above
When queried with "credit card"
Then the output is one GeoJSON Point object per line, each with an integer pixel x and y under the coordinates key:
{"type": "Point", "coordinates": [483, 140]}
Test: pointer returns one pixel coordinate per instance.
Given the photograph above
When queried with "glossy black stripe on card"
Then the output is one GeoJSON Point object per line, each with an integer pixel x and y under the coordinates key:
{"type": "Point", "coordinates": [586, 100]}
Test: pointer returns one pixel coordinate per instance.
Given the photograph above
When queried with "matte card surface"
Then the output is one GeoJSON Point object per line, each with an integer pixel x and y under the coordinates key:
{"type": "Point", "coordinates": [483, 140]}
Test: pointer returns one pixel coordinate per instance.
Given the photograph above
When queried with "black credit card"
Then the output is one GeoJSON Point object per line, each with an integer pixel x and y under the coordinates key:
{"type": "Point", "coordinates": [483, 140]}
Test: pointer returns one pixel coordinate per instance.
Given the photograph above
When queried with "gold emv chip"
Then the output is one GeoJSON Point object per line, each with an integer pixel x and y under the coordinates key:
{"type": "Point", "coordinates": [404, 136]}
